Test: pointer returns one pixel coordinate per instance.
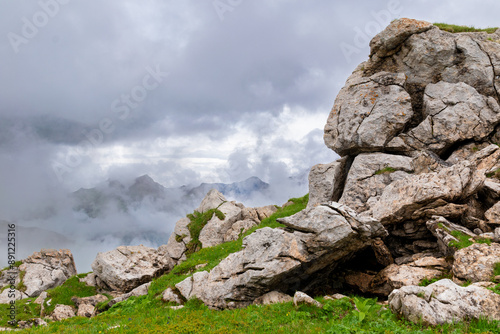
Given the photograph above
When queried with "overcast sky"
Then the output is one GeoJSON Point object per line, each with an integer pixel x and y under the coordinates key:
{"type": "Point", "coordinates": [186, 91]}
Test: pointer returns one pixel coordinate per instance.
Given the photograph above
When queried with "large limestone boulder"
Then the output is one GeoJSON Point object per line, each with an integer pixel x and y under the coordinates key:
{"type": "Point", "coordinates": [282, 260]}
{"type": "Point", "coordinates": [476, 263]}
{"type": "Point", "coordinates": [444, 302]}
{"type": "Point", "coordinates": [127, 267]}
{"type": "Point", "coordinates": [368, 176]}
{"type": "Point", "coordinates": [454, 112]}
{"type": "Point", "coordinates": [212, 200]}
{"type": "Point", "coordinates": [422, 88]}
{"type": "Point", "coordinates": [326, 182]}
{"type": "Point", "coordinates": [402, 198]}
{"type": "Point", "coordinates": [368, 113]}
{"type": "Point", "coordinates": [47, 269]}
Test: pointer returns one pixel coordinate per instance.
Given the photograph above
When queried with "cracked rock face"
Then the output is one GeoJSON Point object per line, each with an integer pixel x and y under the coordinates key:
{"type": "Point", "coordinates": [47, 269]}
{"type": "Point", "coordinates": [421, 89]}
{"type": "Point", "coordinates": [368, 113]}
{"type": "Point", "coordinates": [444, 302]}
{"type": "Point", "coordinates": [476, 262]}
{"type": "Point", "coordinates": [127, 267]}
{"type": "Point", "coordinates": [282, 259]}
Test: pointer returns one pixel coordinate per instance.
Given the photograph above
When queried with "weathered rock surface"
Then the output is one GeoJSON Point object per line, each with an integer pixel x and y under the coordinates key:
{"type": "Point", "coordinates": [441, 228]}
{"type": "Point", "coordinates": [238, 229]}
{"type": "Point", "coordinates": [476, 262]}
{"type": "Point", "coordinates": [6, 296]}
{"type": "Point", "coordinates": [277, 259]}
{"type": "Point", "coordinates": [169, 295]}
{"type": "Point", "coordinates": [493, 214]}
{"type": "Point", "coordinates": [273, 297]}
{"type": "Point", "coordinates": [402, 198]}
{"type": "Point", "coordinates": [368, 176]}
{"type": "Point", "coordinates": [264, 212]}
{"type": "Point", "coordinates": [302, 298]}
{"type": "Point", "coordinates": [62, 312]}
{"type": "Point", "coordinates": [212, 200]}
{"type": "Point", "coordinates": [453, 113]}
{"type": "Point", "coordinates": [326, 182]}
{"type": "Point", "coordinates": [127, 267]}
{"type": "Point", "coordinates": [47, 269]}
{"type": "Point", "coordinates": [368, 113]}
{"type": "Point", "coordinates": [452, 81]}
{"type": "Point", "coordinates": [176, 246]}
{"type": "Point", "coordinates": [444, 302]}
{"type": "Point", "coordinates": [214, 231]}
{"type": "Point", "coordinates": [85, 310]}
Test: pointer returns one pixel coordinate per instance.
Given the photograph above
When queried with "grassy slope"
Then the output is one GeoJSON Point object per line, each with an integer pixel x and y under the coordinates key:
{"type": "Point", "coordinates": [149, 314]}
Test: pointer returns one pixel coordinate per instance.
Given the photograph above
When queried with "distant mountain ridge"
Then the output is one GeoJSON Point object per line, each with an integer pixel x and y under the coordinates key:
{"type": "Point", "coordinates": [115, 196]}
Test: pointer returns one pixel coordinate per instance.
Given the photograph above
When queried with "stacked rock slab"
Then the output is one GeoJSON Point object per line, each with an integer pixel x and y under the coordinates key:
{"type": "Point", "coordinates": [419, 120]}
{"type": "Point", "coordinates": [315, 239]}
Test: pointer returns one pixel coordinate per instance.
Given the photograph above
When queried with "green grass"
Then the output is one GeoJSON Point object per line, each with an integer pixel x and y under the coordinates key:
{"type": "Point", "coordinates": [25, 310]}
{"type": "Point", "coordinates": [198, 221]}
{"type": "Point", "coordinates": [496, 269]}
{"type": "Point", "coordinates": [463, 240]}
{"type": "Point", "coordinates": [63, 293]}
{"type": "Point", "coordinates": [426, 281]}
{"type": "Point", "coordinates": [385, 170]}
{"type": "Point", "coordinates": [494, 174]}
{"type": "Point", "coordinates": [456, 28]}
{"type": "Point", "coordinates": [146, 315]}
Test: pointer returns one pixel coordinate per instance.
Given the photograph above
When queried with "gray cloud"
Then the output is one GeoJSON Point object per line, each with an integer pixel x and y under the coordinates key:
{"type": "Point", "coordinates": [244, 96]}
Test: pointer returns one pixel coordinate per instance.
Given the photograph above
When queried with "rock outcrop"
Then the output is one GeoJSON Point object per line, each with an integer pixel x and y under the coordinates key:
{"type": "Point", "coordinates": [444, 302]}
{"type": "Point", "coordinates": [315, 239]}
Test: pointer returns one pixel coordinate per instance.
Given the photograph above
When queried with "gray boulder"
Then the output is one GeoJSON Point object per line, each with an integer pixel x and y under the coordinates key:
{"type": "Point", "coordinates": [444, 302]}
{"type": "Point", "coordinates": [176, 246]}
{"type": "Point", "coordinates": [402, 198]}
{"type": "Point", "coordinates": [368, 113]}
{"type": "Point", "coordinates": [47, 269]}
{"type": "Point", "coordinates": [273, 297]}
{"type": "Point", "coordinates": [476, 263]}
{"type": "Point", "coordinates": [278, 259]}
{"type": "Point", "coordinates": [326, 182]}
{"type": "Point", "coordinates": [454, 112]}
{"type": "Point", "coordinates": [368, 176]}
{"type": "Point", "coordinates": [214, 231]}
{"type": "Point", "coordinates": [127, 267]}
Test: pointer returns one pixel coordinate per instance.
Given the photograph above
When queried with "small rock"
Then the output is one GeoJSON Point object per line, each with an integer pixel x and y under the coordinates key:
{"type": "Point", "coordinates": [169, 295]}
{"type": "Point", "coordinates": [302, 298]}
{"type": "Point", "coordinates": [335, 296]}
{"type": "Point", "coordinates": [41, 298]}
{"type": "Point", "coordinates": [273, 297]}
{"type": "Point", "coordinates": [176, 307]}
{"type": "Point", "coordinates": [62, 312]}
{"type": "Point", "coordinates": [85, 310]}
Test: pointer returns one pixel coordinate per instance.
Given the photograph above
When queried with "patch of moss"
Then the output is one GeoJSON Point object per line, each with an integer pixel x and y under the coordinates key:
{"type": "Point", "coordinates": [457, 28]}
{"type": "Point", "coordinates": [385, 170]}
{"type": "Point", "coordinates": [463, 240]}
{"type": "Point", "coordinates": [494, 174]}
{"type": "Point", "coordinates": [179, 238]}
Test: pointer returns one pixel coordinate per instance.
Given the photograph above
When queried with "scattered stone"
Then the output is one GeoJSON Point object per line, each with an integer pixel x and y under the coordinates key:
{"type": "Point", "coordinates": [40, 299]}
{"type": "Point", "coordinates": [62, 312]}
{"type": "Point", "coordinates": [273, 297]}
{"type": "Point", "coordinates": [302, 298]}
{"type": "Point", "coordinates": [239, 228]}
{"type": "Point", "coordinates": [335, 296]}
{"type": "Point", "coordinates": [169, 295]}
{"type": "Point", "coordinates": [85, 310]}
{"type": "Point", "coordinates": [175, 308]}
{"type": "Point", "coordinates": [141, 290]}
{"type": "Point", "coordinates": [444, 302]}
